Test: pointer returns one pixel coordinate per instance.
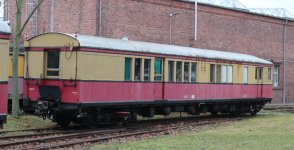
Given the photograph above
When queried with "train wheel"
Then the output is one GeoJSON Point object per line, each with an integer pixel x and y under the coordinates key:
{"type": "Point", "coordinates": [253, 110]}
{"type": "Point", "coordinates": [64, 123]}
{"type": "Point", "coordinates": [1, 125]}
{"type": "Point", "coordinates": [214, 113]}
{"type": "Point", "coordinates": [62, 120]}
{"type": "Point", "coordinates": [133, 116]}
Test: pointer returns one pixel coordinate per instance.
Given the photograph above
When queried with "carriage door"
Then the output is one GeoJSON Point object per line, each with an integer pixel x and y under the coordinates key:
{"type": "Point", "coordinates": [158, 79]}
{"type": "Point", "coordinates": [259, 79]}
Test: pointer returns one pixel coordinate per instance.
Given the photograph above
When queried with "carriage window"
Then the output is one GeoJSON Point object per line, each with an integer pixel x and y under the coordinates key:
{"type": "Point", "coordinates": [128, 66]}
{"type": "Point", "coordinates": [230, 74]}
{"type": "Point", "coordinates": [258, 73]}
{"type": "Point", "coordinates": [138, 62]}
{"type": "Point", "coordinates": [186, 71]}
{"type": "Point", "coordinates": [158, 70]}
{"type": "Point", "coordinates": [245, 75]}
{"type": "Point", "coordinates": [218, 73]}
{"type": "Point", "coordinates": [269, 74]}
{"type": "Point", "coordinates": [53, 63]}
{"type": "Point", "coordinates": [224, 74]}
{"type": "Point", "coordinates": [193, 72]}
{"type": "Point", "coordinates": [276, 76]}
{"type": "Point", "coordinates": [179, 72]}
{"type": "Point", "coordinates": [147, 66]}
{"type": "Point", "coordinates": [212, 73]}
{"type": "Point", "coordinates": [171, 71]}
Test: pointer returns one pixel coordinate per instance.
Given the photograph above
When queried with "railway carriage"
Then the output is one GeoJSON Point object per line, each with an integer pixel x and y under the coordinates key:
{"type": "Point", "coordinates": [5, 32]}
{"type": "Point", "coordinates": [90, 79]}
{"type": "Point", "coordinates": [20, 78]}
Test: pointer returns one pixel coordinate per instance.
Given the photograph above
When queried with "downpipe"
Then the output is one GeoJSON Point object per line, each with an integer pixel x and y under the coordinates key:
{"type": "Point", "coordinates": [284, 61]}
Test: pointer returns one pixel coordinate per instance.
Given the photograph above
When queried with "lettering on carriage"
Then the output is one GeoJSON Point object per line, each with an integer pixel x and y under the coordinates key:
{"type": "Point", "coordinates": [75, 93]}
{"type": "Point", "coordinates": [31, 89]}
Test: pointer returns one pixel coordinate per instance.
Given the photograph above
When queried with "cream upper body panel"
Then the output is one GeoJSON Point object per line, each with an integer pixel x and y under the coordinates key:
{"type": "Point", "coordinates": [4, 57]}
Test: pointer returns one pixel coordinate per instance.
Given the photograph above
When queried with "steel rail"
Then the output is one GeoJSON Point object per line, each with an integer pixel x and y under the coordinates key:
{"type": "Point", "coordinates": [99, 139]}
{"type": "Point", "coordinates": [5, 144]}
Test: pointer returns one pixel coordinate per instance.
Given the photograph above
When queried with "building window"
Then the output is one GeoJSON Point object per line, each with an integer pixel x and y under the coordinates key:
{"type": "Point", "coordinates": [258, 73]}
{"type": "Point", "coordinates": [230, 74]}
{"type": "Point", "coordinates": [128, 67]}
{"type": "Point", "coordinates": [30, 5]}
{"type": "Point", "coordinates": [245, 75]}
{"type": "Point", "coordinates": [137, 72]}
{"type": "Point", "coordinates": [52, 69]}
{"type": "Point", "coordinates": [171, 71]}
{"type": "Point", "coordinates": [193, 72]}
{"type": "Point", "coordinates": [186, 71]}
{"type": "Point", "coordinates": [158, 70]}
{"type": "Point", "coordinates": [147, 66]}
{"type": "Point", "coordinates": [276, 76]}
{"type": "Point", "coordinates": [179, 71]}
{"type": "Point", "coordinates": [212, 73]}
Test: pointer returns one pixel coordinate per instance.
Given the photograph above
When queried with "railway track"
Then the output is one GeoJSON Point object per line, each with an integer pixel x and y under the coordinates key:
{"type": "Point", "coordinates": [280, 108]}
{"type": "Point", "coordinates": [27, 130]}
{"type": "Point", "coordinates": [70, 138]}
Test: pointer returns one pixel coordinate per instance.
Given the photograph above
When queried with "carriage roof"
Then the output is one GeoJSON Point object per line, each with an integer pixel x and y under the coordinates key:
{"type": "Point", "coordinates": [136, 46]}
{"type": "Point", "coordinates": [4, 27]}
{"type": "Point", "coordinates": [87, 41]}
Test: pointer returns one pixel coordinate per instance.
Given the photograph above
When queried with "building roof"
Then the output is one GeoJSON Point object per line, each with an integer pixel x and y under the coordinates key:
{"type": "Point", "coordinates": [4, 27]}
{"type": "Point", "coordinates": [137, 46]}
{"type": "Point", "coordinates": [277, 12]}
{"type": "Point", "coordinates": [280, 13]}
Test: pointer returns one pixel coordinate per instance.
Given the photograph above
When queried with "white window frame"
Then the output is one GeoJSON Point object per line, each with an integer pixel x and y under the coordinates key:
{"type": "Point", "coordinates": [230, 74]}
{"type": "Point", "coordinates": [245, 75]}
{"type": "Point", "coordinates": [276, 76]}
{"type": "Point", "coordinates": [224, 74]}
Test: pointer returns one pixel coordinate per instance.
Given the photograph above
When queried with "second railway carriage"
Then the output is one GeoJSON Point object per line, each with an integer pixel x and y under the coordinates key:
{"type": "Point", "coordinates": [20, 78]}
{"type": "Point", "coordinates": [93, 79]}
{"type": "Point", "coordinates": [5, 32]}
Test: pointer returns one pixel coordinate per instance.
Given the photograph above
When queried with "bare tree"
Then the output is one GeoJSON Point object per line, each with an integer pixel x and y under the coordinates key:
{"type": "Point", "coordinates": [18, 31]}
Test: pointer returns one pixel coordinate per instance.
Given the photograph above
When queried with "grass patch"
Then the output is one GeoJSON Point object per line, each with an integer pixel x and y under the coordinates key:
{"type": "Point", "coordinates": [268, 131]}
{"type": "Point", "coordinates": [27, 122]}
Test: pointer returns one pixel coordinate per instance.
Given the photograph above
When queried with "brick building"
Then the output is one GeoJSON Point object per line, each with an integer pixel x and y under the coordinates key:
{"type": "Point", "coordinates": [219, 28]}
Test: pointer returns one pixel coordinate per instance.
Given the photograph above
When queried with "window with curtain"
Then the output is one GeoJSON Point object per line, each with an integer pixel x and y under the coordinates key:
{"type": "Point", "coordinates": [193, 72]}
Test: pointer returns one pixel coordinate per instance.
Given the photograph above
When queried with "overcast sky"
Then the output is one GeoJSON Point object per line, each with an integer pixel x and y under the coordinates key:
{"type": "Point", "coordinates": [288, 4]}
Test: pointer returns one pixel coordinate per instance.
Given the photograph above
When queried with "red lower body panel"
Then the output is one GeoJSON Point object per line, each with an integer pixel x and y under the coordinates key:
{"type": "Point", "coordinates": [98, 92]}
{"type": "Point", "coordinates": [3, 99]}
{"type": "Point", "coordinates": [20, 86]}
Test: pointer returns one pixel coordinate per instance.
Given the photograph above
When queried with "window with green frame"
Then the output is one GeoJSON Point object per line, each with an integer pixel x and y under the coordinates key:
{"type": "Point", "coordinates": [128, 67]}
{"type": "Point", "coordinates": [158, 70]}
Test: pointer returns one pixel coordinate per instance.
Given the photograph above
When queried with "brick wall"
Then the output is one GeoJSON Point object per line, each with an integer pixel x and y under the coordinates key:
{"type": "Point", "coordinates": [148, 20]}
